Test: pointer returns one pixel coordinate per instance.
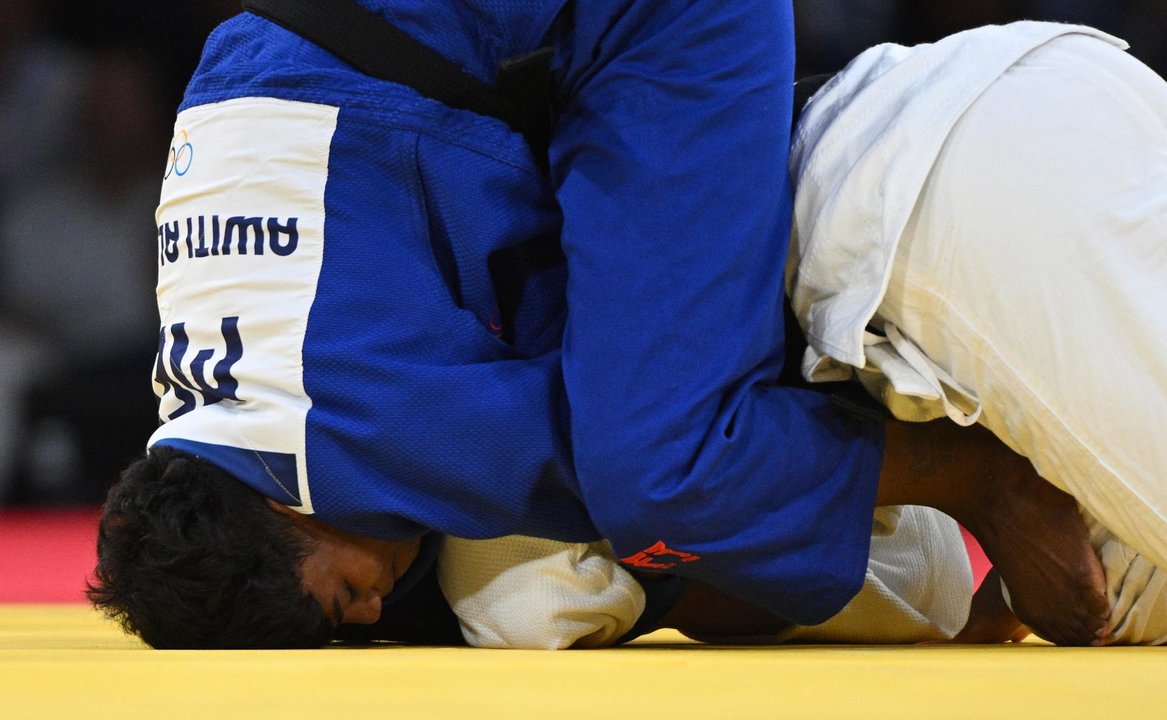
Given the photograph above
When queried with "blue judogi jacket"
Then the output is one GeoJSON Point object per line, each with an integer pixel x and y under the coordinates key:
{"type": "Point", "coordinates": [331, 327]}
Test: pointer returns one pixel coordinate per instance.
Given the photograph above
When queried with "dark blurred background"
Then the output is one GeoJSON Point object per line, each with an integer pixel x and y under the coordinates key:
{"type": "Point", "coordinates": [88, 92]}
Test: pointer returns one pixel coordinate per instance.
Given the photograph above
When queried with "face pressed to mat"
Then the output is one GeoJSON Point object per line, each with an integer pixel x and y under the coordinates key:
{"type": "Point", "coordinates": [349, 574]}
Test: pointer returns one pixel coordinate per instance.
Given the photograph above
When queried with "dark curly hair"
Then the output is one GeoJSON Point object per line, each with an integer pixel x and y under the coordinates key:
{"type": "Point", "coordinates": [189, 557]}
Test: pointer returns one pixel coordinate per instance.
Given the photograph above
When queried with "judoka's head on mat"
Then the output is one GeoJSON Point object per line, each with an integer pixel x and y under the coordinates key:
{"type": "Point", "coordinates": [348, 574]}
{"type": "Point", "coordinates": [189, 557]}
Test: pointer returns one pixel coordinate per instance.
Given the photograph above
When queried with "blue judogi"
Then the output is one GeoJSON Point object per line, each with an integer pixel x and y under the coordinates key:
{"type": "Point", "coordinates": [331, 326]}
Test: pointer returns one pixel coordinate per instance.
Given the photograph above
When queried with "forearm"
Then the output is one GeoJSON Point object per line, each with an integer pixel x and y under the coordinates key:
{"type": "Point", "coordinates": [708, 614]}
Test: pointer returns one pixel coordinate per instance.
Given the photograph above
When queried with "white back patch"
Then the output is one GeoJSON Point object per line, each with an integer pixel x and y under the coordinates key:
{"type": "Point", "coordinates": [240, 245]}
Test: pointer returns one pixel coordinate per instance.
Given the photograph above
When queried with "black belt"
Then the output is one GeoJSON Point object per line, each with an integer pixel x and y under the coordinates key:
{"type": "Point", "coordinates": [521, 96]}
{"type": "Point", "coordinates": [804, 89]}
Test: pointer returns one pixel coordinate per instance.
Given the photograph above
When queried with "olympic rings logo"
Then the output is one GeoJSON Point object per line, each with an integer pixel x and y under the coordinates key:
{"type": "Point", "coordinates": [181, 155]}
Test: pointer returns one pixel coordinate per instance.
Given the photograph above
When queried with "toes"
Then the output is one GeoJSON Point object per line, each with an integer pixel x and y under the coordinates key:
{"type": "Point", "coordinates": [1078, 629]}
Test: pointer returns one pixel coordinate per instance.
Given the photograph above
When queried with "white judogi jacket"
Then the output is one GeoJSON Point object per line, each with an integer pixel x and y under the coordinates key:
{"type": "Point", "coordinates": [862, 155]}
{"type": "Point", "coordinates": [862, 152]}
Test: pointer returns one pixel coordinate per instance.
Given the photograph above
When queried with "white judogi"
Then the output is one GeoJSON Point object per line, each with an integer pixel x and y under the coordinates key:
{"type": "Point", "coordinates": [535, 594]}
{"type": "Point", "coordinates": [981, 232]}
{"type": "Point", "coordinates": [521, 592]}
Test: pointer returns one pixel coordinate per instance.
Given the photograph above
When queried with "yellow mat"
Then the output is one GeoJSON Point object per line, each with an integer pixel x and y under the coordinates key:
{"type": "Point", "coordinates": [67, 662]}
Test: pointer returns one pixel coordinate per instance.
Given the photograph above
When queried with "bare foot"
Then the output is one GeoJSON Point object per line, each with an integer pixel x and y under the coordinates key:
{"type": "Point", "coordinates": [1036, 539]}
{"type": "Point", "coordinates": [990, 620]}
{"type": "Point", "coordinates": [1030, 531]}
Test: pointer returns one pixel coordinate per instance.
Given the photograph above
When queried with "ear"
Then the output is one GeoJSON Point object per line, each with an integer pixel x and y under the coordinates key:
{"type": "Point", "coordinates": [283, 509]}
{"type": "Point", "coordinates": [304, 525]}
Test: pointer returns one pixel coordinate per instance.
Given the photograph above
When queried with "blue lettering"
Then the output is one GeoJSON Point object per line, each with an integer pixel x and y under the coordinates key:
{"type": "Point", "coordinates": [283, 237]}
{"type": "Point", "coordinates": [188, 390]}
{"type": "Point", "coordinates": [226, 385]}
{"type": "Point", "coordinates": [189, 237]}
{"type": "Point", "coordinates": [243, 223]}
{"type": "Point", "coordinates": [275, 229]}
{"type": "Point", "coordinates": [202, 250]}
{"type": "Point", "coordinates": [169, 233]}
{"type": "Point", "coordinates": [184, 396]}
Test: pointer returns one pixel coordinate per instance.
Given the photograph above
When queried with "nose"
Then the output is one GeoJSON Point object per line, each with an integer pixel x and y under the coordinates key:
{"type": "Point", "coordinates": [363, 611]}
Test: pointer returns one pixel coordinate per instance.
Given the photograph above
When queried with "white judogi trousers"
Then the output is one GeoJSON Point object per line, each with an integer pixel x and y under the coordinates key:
{"type": "Point", "coordinates": [981, 232]}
